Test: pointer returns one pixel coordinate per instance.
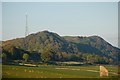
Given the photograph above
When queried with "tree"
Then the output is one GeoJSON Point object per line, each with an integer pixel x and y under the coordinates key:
{"type": "Point", "coordinates": [4, 57]}
{"type": "Point", "coordinates": [64, 56]}
{"type": "Point", "coordinates": [59, 56]}
{"type": "Point", "coordinates": [25, 57]}
{"type": "Point", "coordinates": [45, 56]}
{"type": "Point", "coordinates": [110, 61]}
{"type": "Point", "coordinates": [73, 57]}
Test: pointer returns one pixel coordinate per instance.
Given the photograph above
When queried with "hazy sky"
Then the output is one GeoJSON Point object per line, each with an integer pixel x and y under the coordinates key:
{"type": "Point", "coordinates": [64, 18]}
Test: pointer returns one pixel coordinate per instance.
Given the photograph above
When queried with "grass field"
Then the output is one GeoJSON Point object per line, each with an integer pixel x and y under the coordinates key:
{"type": "Point", "coordinates": [50, 71]}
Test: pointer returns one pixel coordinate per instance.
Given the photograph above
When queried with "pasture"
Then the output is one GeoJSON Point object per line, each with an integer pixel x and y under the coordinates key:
{"type": "Point", "coordinates": [51, 71]}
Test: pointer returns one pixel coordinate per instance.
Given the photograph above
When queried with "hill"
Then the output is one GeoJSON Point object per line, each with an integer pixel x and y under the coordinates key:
{"type": "Point", "coordinates": [49, 46]}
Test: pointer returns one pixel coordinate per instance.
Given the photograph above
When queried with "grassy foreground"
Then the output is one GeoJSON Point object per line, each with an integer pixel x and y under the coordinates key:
{"type": "Point", "coordinates": [50, 71]}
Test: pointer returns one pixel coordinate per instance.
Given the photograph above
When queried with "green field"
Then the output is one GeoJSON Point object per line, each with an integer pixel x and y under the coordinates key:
{"type": "Point", "coordinates": [50, 71]}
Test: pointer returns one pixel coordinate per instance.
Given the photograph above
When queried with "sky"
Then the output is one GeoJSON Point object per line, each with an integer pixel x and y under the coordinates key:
{"type": "Point", "coordinates": [64, 18]}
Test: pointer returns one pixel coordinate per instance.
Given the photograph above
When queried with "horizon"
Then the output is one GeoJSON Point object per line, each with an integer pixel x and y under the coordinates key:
{"type": "Point", "coordinates": [63, 18]}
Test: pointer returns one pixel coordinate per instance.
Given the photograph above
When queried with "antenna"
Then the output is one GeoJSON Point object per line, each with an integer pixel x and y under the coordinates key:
{"type": "Point", "coordinates": [26, 28]}
{"type": "Point", "coordinates": [26, 31]}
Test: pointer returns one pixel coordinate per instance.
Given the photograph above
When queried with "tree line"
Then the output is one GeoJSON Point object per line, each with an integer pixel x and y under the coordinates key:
{"type": "Point", "coordinates": [52, 55]}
